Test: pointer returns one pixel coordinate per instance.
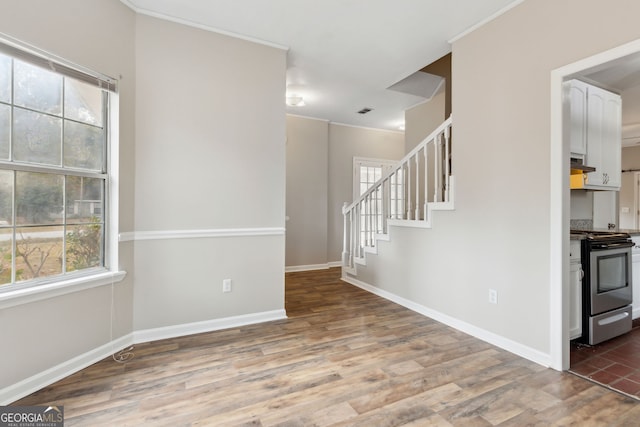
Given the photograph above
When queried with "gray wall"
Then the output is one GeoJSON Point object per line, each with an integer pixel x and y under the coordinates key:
{"type": "Point", "coordinates": [345, 143]}
{"type": "Point", "coordinates": [194, 156]}
{"type": "Point", "coordinates": [97, 35]}
{"type": "Point", "coordinates": [307, 191]}
{"type": "Point", "coordinates": [499, 234]}
{"type": "Point", "coordinates": [320, 179]}
{"type": "Point", "coordinates": [422, 119]}
{"type": "Point", "coordinates": [207, 158]}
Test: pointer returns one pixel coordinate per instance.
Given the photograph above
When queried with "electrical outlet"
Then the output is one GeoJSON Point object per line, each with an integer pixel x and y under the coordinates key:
{"type": "Point", "coordinates": [493, 296]}
{"type": "Point", "coordinates": [226, 285]}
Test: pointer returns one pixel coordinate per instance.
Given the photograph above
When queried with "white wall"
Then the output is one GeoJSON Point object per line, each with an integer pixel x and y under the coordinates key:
{"type": "Point", "coordinates": [605, 209]}
{"type": "Point", "coordinates": [499, 235]}
{"type": "Point", "coordinates": [581, 204]}
{"type": "Point", "coordinates": [630, 160]}
{"type": "Point", "coordinates": [45, 334]}
{"type": "Point", "coordinates": [210, 155]}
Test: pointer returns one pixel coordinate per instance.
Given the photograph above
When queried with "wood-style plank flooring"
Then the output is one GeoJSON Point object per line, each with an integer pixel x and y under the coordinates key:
{"type": "Point", "coordinates": [344, 357]}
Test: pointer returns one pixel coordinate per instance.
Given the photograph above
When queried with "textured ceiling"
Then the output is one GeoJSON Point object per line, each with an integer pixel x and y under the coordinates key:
{"type": "Point", "coordinates": [343, 54]}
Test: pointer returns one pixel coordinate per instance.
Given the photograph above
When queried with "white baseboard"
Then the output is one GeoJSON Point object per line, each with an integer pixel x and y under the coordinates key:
{"type": "Point", "coordinates": [206, 326]}
{"type": "Point", "coordinates": [482, 334]}
{"type": "Point", "coordinates": [36, 382]}
{"type": "Point", "coordinates": [359, 260]}
{"type": "Point", "coordinates": [312, 267]}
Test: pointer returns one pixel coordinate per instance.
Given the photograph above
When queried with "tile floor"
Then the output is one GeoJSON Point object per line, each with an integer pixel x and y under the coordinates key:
{"type": "Point", "coordinates": [614, 363]}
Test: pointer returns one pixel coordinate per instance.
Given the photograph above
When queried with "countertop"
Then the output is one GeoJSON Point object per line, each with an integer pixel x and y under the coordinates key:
{"type": "Point", "coordinates": [631, 232]}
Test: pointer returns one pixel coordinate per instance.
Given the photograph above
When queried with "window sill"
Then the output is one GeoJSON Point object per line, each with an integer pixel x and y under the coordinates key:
{"type": "Point", "coordinates": [55, 289]}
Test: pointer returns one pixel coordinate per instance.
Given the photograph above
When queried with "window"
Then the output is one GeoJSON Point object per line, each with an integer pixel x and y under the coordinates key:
{"type": "Point", "coordinates": [54, 169]}
{"type": "Point", "coordinates": [367, 172]}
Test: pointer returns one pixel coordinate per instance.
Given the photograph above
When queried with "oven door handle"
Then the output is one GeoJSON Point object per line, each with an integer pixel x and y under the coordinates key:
{"type": "Point", "coordinates": [613, 319]}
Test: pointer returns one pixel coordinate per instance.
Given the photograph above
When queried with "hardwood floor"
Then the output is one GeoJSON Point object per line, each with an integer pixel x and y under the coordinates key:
{"type": "Point", "coordinates": [343, 358]}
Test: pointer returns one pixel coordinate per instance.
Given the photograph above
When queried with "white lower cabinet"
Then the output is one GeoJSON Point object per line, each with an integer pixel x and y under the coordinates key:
{"type": "Point", "coordinates": [575, 291]}
{"type": "Point", "coordinates": [635, 276]}
{"type": "Point", "coordinates": [575, 295]}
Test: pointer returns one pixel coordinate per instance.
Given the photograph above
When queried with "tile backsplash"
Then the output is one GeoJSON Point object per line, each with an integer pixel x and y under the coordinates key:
{"type": "Point", "coordinates": [581, 224]}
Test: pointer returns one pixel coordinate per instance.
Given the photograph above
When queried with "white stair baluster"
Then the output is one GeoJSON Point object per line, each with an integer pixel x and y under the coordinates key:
{"type": "Point", "coordinates": [393, 197]}
{"type": "Point", "coordinates": [385, 205]}
{"type": "Point", "coordinates": [426, 181]}
{"type": "Point", "coordinates": [436, 173]}
{"type": "Point", "coordinates": [417, 202]}
{"type": "Point", "coordinates": [446, 163]}
{"type": "Point", "coordinates": [356, 236]}
{"type": "Point", "coordinates": [368, 221]}
{"type": "Point", "coordinates": [376, 228]}
{"type": "Point", "coordinates": [345, 224]}
{"type": "Point", "coordinates": [408, 201]}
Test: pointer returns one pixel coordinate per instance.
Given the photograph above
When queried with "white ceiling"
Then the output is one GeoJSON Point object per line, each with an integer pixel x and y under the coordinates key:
{"type": "Point", "coordinates": [343, 54]}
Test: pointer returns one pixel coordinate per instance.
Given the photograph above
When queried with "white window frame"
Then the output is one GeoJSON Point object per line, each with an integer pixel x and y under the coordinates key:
{"type": "Point", "coordinates": [384, 164]}
{"type": "Point", "coordinates": [60, 285]}
{"type": "Point", "coordinates": [392, 186]}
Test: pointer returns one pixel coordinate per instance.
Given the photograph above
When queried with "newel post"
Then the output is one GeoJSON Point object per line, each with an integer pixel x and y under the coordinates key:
{"type": "Point", "coordinates": [345, 251]}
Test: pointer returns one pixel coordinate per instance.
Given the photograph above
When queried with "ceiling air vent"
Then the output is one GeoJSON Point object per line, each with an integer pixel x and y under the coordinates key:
{"type": "Point", "coordinates": [365, 110]}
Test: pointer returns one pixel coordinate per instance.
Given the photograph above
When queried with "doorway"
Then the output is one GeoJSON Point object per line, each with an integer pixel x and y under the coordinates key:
{"type": "Point", "coordinates": [560, 197]}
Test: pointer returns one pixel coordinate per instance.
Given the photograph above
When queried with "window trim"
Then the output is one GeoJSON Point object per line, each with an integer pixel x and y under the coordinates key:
{"type": "Point", "coordinates": [385, 164]}
{"type": "Point", "coordinates": [60, 287]}
{"type": "Point", "coordinates": [110, 273]}
{"type": "Point", "coordinates": [33, 55]}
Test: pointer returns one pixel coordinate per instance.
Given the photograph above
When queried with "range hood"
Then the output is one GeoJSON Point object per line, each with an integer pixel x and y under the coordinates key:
{"type": "Point", "coordinates": [579, 171]}
{"type": "Point", "coordinates": [577, 167]}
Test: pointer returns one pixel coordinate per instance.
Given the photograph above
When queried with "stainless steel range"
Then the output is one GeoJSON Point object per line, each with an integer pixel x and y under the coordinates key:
{"type": "Point", "coordinates": [606, 286]}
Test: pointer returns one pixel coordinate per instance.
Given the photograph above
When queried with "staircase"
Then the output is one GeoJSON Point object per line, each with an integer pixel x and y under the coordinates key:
{"type": "Point", "coordinates": [405, 196]}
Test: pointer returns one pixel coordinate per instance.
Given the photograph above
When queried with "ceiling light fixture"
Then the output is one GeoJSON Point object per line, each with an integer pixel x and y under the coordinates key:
{"type": "Point", "coordinates": [295, 101]}
{"type": "Point", "coordinates": [295, 96]}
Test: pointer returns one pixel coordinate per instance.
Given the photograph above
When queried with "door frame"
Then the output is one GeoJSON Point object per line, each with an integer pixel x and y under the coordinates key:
{"type": "Point", "coordinates": [559, 202]}
{"type": "Point", "coordinates": [636, 200]}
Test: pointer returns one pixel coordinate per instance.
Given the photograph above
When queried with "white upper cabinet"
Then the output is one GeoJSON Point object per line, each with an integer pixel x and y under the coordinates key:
{"type": "Point", "coordinates": [595, 130]}
{"type": "Point", "coordinates": [612, 143]}
{"type": "Point", "coordinates": [577, 111]}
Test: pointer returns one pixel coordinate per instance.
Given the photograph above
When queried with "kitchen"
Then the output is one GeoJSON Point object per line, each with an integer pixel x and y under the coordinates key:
{"type": "Point", "coordinates": [604, 106]}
